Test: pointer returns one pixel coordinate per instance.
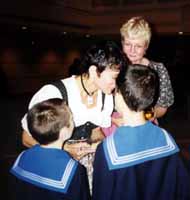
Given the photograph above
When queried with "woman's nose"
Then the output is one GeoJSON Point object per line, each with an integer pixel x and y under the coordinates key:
{"type": "Point", "coordinates": [132, 49]}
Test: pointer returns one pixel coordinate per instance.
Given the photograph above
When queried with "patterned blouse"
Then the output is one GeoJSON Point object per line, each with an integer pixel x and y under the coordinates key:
{"type": "Point", "coordinates": [166, 95]}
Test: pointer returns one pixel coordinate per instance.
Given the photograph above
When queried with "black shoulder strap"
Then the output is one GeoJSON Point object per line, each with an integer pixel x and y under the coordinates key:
{"type": "Point", "coordinates": [60, 85]}
{"type": "Point", "coordinates": [103, 99]}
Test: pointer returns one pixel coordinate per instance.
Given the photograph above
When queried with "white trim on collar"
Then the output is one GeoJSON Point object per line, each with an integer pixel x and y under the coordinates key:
{"type": "Point", "coordinates": [60, 185]}
{"type": "Point", "coordinates": [116, 161]}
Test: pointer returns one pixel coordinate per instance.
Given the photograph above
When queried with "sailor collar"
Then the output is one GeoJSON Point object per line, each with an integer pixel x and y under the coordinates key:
{"type": "Point", "coordinates": [51, 181]}
{"type": "Point", "coordinates": [130, 146]}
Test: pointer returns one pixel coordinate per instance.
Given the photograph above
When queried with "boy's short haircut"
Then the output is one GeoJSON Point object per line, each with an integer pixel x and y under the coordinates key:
{"type": "Point", "coordinates": [47, 118]}
{"type": "Point", "coordinates": [140, 87]}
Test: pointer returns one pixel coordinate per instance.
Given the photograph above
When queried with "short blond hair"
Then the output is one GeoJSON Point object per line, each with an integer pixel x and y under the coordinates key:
{"type": "Point", "coordinates": [136, 27]}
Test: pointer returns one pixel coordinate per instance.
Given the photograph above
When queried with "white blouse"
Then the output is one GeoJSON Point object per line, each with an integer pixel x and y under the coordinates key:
{"type": "Point", "coordinates": [81, 113]}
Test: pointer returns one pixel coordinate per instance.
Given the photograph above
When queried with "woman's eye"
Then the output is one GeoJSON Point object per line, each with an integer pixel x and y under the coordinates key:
{"type": "Point", "coordinates": [127, 44]}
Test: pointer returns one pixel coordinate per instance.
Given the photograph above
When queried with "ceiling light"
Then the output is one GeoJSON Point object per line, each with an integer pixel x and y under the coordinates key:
{"type": "Point", "coordinates": [24, 27]}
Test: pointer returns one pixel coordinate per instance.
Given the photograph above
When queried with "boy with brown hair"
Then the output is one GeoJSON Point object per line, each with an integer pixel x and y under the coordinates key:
{"type": "Point", "coordinates": [45, 171]}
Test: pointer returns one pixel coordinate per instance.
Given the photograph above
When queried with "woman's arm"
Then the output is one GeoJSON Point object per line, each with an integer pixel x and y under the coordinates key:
{"type": "Point", "coordinates": [97, 135]}
{"type": "Point", "coordinates": [159, 111]}
{"type": "Point", "coordinates": [28, 140]}
{"type": "Point", "coordinates": [166, 95]}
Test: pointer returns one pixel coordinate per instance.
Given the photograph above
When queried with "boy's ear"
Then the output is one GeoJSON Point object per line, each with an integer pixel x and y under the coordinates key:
{"type": "Point", "coordinates": [92, 71]}
{"type": "Point", "coordinates": [65, 133]}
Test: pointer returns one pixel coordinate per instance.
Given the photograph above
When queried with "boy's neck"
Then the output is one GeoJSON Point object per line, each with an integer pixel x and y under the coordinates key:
{"type": "Point", "coordinates": [55, 145]}
{"type": "Point", "coordinates": [132, 118]}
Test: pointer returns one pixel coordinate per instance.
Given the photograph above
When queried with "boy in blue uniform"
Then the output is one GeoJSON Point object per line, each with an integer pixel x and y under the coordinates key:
{"type": "Point", "coordinates": [140, 161]}
{"type": "Point", "coordinates": [46, 171]}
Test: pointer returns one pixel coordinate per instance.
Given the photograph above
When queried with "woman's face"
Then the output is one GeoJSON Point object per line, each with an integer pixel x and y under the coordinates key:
{"type": "Point", "coordinates": [134, 48]}
{"type": "Point", "coordinates": [106, 81]}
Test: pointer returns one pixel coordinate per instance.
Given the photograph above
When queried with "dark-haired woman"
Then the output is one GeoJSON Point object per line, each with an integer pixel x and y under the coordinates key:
{"type": "Point", "coordinates": [100, 67]}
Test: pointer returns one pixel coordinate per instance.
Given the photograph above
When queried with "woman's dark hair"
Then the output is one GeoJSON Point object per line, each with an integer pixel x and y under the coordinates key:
{"type": "Point", "coordinates": [47, 118]}
{"type": "Point", "coordinates": [105, 54]}
{"type": "Point", "coordinates": [140, 87]}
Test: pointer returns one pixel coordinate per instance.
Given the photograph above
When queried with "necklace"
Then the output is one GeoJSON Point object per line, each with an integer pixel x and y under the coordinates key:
{"type": "Point", "coordinates": [90, 100]}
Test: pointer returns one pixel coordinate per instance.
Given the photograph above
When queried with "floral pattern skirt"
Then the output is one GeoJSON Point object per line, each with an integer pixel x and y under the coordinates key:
{"type": "Point", "coordinates": [87, 161]}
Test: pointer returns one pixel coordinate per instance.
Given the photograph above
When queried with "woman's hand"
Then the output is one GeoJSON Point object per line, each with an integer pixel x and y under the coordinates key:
{"type": "Point", "coordinates": [117, 121]}
{"type": "Point", "coordinates": [97, 135]}
{"type": "Point", "coordinates": [78, 149]}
